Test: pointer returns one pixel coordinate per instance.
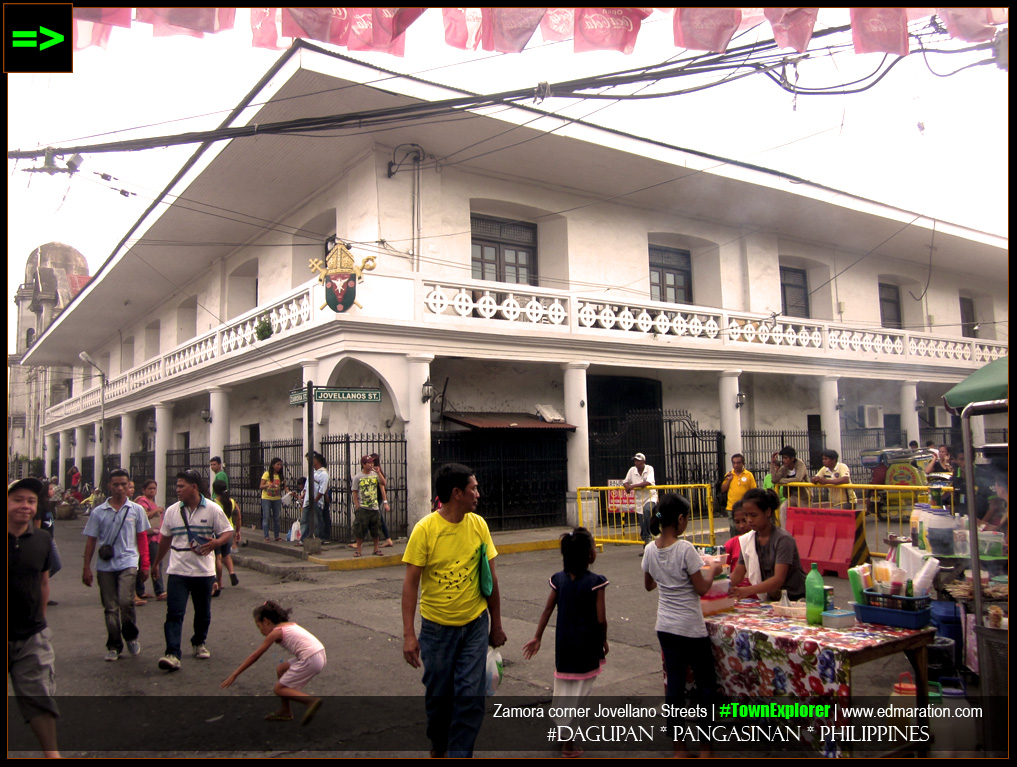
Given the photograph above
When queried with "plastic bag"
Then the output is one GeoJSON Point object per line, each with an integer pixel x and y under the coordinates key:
{"type": "Point", "coordinates": [495, 671]}
{"type": "Point", "coordinates": [294, 532]}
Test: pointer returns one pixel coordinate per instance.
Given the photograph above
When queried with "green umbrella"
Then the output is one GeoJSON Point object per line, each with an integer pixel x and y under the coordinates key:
{"type": "Point", "coordinates": [987, 383]}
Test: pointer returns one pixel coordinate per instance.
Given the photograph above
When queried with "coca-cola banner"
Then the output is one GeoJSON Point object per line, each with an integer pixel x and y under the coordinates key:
{"type": "Point", "coordinates": [705, 29]}
{"type": "Point", "coordinates": [607, 29]}
{"type": "Point", "coordinates": [792, 27]}
{"type": "Point", "coordinates": [880, 30]}
{"type": "Point", "coordinates": [462, 27]}
{"type": "Point", "coordinates": [509, 30]}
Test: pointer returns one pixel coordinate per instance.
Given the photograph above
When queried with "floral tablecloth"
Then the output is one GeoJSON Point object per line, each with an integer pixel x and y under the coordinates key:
{"type": "Point", "coordinates": [761, 654]}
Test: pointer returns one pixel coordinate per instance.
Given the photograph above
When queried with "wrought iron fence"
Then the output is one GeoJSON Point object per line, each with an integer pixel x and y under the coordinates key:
{"type": "Point", "coordinates": [343, 453]}
{"type": "Point", "coordinates": [176, 461]}
{"type": "Point", "coordinates": [854, 441]}
{"type": "Point", "coordinates": [142, 467]}
{"type": "Point", "coordinates": [758, 446]}
{"type": "Point", "coordinates": [246, 462]}
{"type": "Point", "coordinates": [521, 473]}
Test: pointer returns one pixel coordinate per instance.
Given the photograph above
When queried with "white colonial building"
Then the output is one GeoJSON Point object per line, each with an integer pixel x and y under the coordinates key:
{"type": "Point", "coordinates": [519, 260]}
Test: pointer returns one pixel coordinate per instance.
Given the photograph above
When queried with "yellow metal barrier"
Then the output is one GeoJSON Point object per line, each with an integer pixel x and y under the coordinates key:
{"type": "Point", "coordinates": [887, 507]}
{"type": "Point", "coordinates": [610, 513]}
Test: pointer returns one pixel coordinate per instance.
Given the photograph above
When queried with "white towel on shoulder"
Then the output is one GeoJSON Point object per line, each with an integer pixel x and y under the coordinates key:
{"type": "Point", "coordinates": [751, 559]}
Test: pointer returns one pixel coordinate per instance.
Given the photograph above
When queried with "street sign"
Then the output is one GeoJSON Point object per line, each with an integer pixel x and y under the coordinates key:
{"type": "Point", "coordinates": [327, 394]}
{"type": "Point", "coordinates": [330, 394]}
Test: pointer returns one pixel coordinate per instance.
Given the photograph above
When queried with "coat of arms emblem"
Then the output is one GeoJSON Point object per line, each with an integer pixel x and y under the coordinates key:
{"type": "Point", "coordinates": [340, 274]}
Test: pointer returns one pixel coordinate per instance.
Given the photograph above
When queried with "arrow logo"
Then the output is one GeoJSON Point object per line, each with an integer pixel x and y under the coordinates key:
{"type": "Point", "coordinates": [29, 39]}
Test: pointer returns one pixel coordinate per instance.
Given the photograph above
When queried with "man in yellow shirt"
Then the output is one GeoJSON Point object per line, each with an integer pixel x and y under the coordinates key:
{"type": "Point", "coordinates": [737, 482]}
{"type": "Point", "coordinates": [443, 560]}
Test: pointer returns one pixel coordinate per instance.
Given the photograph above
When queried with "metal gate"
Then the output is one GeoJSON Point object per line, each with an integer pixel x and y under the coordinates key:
{"type": "Point", "coordinates": [522, 473]}
{"type": "Point", "coordinates": [176, 461]}
{"type": "Point", "coordinates": [679, 451]}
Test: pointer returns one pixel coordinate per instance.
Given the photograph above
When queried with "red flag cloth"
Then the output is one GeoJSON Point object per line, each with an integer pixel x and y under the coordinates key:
{"type": "Point", "coordinates": [972, 25]}
{"type": "Point", "coordinates": [462, 27]}
{"type": "Point", "coordinates": [792, 27]}
{"type": "Point", "coordinates": [607, 29]}
{"type": "Point", "coordinates": [118, 17]}
{"type": "Point", "coordinates": [880, 30]}
{"type": "Point", "coordinates": [266, 29]}
{"type": "Point", "coordinates": [89, 33]}
{"type": "Point", "coordinates": [558, 24]}
{"type": "Point", "coordinates": [371, 30]}
{"type": "Point", "coordinates": [309, 23]}
{"type": "Point", "coordinates": [705, 29]}
{"type": "Point", "coordinates": [401, 18]}
{"type": "Point", "coordinates": [187, 21]}
{"type": "Point", "coordinates": [508, 30]}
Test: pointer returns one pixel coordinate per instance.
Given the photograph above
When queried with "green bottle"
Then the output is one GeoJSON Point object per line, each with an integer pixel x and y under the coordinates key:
{"type": "Point", "coordinates": [815, 598]}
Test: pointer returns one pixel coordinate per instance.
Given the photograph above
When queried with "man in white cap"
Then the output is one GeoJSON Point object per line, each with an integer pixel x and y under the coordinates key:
{"type": "Point", "coordinates": [639, 478]}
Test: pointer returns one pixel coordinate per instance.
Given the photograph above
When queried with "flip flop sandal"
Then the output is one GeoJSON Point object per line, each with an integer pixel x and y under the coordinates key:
{"type": "Point", "coordinates": [356, 554]}
{"type": "Point", "coordinates": [216, 591]}
{"type": "Point", "coordinates": [311, 711]}
{"type": "Point", "coordinates": [275, 716]}
{"type": "Point", "coordinates": [377, 553]}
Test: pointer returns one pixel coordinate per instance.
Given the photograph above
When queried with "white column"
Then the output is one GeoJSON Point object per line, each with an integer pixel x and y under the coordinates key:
{"type": "Point", "coordinates": [163, 438]}
{"type": "Point", "coordinates": [219, 429]}
{"type": "Point", "coordinates": [730, 413]}
{"type": "Point", "coordinates": [100, 437]}
{"type": "Point", "coordinates": [577, 413]}
{"type": "Point", "coordinates": [52, 454]}
{"type": "Point", "coordinates": [418, 439]}
{"type": "Point", "coordinates": [829, 415]}
{"type": "Point", "coordinates": [129, 442]}
{"type": "Point", "coordinates": [65, 452]}
{"type": "Point", "coordinates": [80, 447]}
{"type": "Point", "coordinates": [908, 414]}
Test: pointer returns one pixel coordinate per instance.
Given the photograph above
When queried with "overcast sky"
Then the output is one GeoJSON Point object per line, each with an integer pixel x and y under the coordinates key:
{"type": "Point", "coordinates": [933, 145]}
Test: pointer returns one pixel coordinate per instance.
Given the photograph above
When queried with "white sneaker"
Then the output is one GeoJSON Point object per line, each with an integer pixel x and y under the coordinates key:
{"type": "Point", "coordinates": [134, 647]}
{"type": "Point", "coordinates": [201, 652]}
{"type": "Point", "coordinates": [112, 655]}
{"type": "Point", "coordinates": [169, 663]}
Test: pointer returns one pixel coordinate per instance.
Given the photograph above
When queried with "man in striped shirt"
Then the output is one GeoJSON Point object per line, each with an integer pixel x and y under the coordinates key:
{"type": "Point", "coordinates": [191, 531]}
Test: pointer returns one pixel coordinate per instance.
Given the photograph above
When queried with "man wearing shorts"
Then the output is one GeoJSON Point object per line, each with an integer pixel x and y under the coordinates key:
{"type": "Point", "coordinates": [30, 658]}
{"type": "Point", "coordinates": [367, 487]}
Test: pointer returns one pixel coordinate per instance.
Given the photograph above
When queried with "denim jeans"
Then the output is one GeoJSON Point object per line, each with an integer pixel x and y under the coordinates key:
{"type": "Point", "coordinates": [270, 511]}
{"type": "Point", "coordinates": [116, 590]}
{"type": "Point", "coordinates": [305, 515]}
{"type": "Point", "coordinates": [178, 589]}
{"type": "Point", "coordinates": [644, 522]}
{"type": "Point", "coordinates": [455, 659]}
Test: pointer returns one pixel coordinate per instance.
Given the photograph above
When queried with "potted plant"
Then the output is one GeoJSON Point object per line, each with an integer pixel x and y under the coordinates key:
{"type": "Point", "coordinates": [263, 329]}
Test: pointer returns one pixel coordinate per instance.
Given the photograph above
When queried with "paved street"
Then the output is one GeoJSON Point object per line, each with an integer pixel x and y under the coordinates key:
{"type": "Point", "coordinates": [376, 703]}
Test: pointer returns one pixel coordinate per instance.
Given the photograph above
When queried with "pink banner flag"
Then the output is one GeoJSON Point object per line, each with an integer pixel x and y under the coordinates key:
{"type": "Point", "coordinates": [558, 24]}
{"type": "Point", "coordinates": [607, 29]}
{"type": "Point", "coordinates": [972, 25]}
{"type": "Point", "coordinates": [463, 27]}
{"type": "Point", "coordinates": [508, 30]}
{"type": "Point", "coordinates": [373, 29]}
{"type": "Point", "coordinates": [194, 22]}
{"type": "Point", "coordinates": [792, 27]}
{"type": "Point", "coordinates": [880, 30]}
{"type": "Point", "coordinates": [89, 33]}
{"type": "Point", "coordinates": [266, 29]}
{"type": "Point", "coordinates": [309, 23]}
{"type": "Point", "coordinates": [118, 17]}
{"type": "Point", "coordinates": [705, 29]}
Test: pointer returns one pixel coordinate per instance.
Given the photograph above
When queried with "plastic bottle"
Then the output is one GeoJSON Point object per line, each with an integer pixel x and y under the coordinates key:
{"type": "Point", "coordinates": [784, 601]}
{"type": "Point", "coordinates": [815, 596]}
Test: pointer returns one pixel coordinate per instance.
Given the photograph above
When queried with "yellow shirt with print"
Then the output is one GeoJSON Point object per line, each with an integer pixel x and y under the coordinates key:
{"type": "Point", "coordinates": [740, 485]}
{"type": "Point", "coordinates": [449, 554]}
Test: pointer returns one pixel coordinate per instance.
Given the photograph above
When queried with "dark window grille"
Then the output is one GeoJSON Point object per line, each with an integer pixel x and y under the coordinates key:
{"type": "Point", "coordinates": [759, 445]}
{"type": "Point", "coordinates": [670, 275]}
{"type": "Point", "coordinates": [794, 292]}
{"type": "Point", "coordinates": [969, 322]}
{"type": "Point", "coordinates": [504, 251]}
{"type": "Point", "coordinates": [889, 306]}
{"type": "Point", "coordinates": [176, 461]}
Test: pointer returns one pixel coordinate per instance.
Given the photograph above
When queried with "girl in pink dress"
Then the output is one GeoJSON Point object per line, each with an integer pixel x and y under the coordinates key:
{"type": "Point", "coordinates": [273, 621]}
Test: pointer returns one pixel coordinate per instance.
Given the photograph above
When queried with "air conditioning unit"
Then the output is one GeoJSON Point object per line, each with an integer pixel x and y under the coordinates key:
{"type": "Point", "coordinates": [870, 416]}
{"type": "Point", "coordinates": [939, 417]}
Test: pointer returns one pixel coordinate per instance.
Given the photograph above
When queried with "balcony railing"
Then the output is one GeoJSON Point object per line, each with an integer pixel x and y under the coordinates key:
{"type": "Point", "coordinates": [477, 305]}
